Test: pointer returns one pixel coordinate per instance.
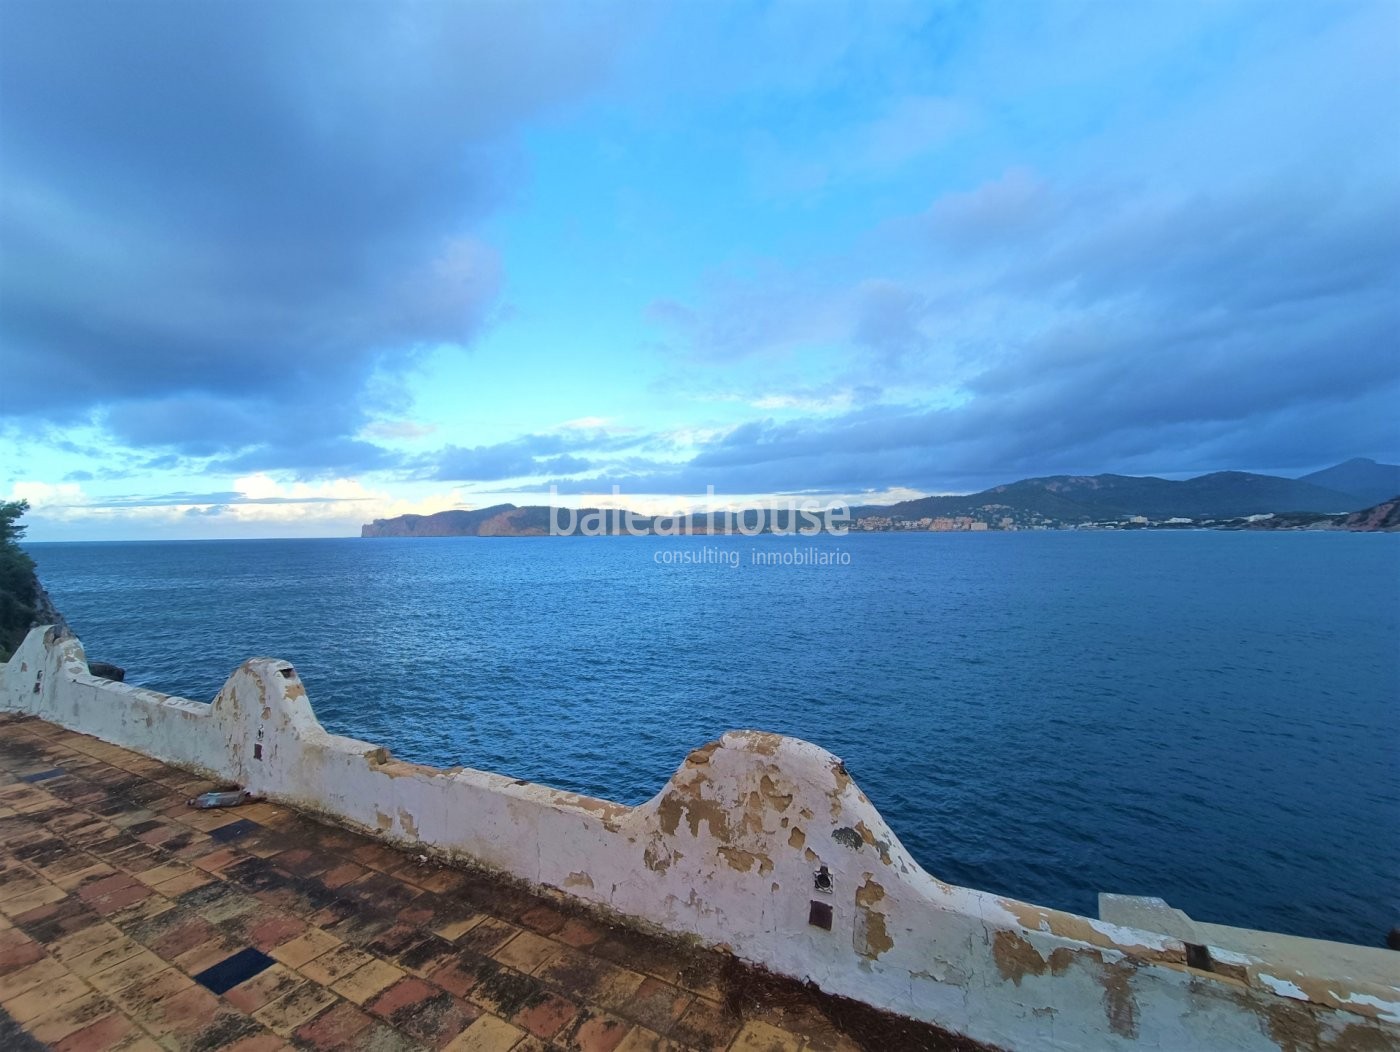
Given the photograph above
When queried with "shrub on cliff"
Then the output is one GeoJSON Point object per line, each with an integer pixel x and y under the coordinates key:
{"type": "Point", "coordinates": [17, 582]}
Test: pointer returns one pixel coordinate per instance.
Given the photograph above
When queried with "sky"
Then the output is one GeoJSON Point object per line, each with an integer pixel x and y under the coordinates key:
{"type": "Point", "coordinates": [277, 269]}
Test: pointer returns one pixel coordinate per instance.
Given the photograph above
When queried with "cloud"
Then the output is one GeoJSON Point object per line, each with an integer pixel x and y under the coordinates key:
{"type": "Point", "coordinates": [880, 146]}
{"type": "Point", "coordinates": [1111, 327]}
{"type": "Point", "coordinates": [887, 321]}
{"type": "Point", "coordinates": [768, 311]}
{"type": "Point", "coordinates": [257, 506]}
{"type": "Point", "coordinates": [1023, 241]}
{"type": "Point", "coordinates": [43, 494]}
{"type": "Point", "coordinates": [527, 456]}
{"type": "Point", "coordinates": [807, 401]}
{"type": "Point", "coordinates": [231, 228]}
{"type": "Point", "coordinates": [1013, 206]}
{"type": "Point", "coordinates": [399, 429]}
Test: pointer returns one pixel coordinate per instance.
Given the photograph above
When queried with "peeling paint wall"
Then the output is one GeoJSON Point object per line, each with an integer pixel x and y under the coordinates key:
{"type": "Point", "coordinates": [758, 843]}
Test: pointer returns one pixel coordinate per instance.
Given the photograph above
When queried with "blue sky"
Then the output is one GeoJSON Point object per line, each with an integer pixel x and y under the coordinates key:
{"type": "Point", "coordinates": [277, 269]}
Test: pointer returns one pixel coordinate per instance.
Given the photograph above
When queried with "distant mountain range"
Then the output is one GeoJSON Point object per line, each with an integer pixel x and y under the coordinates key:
{"type": "Point", "coordinates": [1361, 478]}
{"type": "Point", "coordinates": [1058, 500]}
{"type": "Point", "coordinates": [1351, 486]}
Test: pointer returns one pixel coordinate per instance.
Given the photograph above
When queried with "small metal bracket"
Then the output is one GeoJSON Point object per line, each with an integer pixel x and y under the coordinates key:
{"type": "Point", "coordinates": [823, 881]}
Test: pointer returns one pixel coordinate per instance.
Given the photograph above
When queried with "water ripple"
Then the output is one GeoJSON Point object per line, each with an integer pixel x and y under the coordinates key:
{"type": "Point", "coordinates": [1209, 718]}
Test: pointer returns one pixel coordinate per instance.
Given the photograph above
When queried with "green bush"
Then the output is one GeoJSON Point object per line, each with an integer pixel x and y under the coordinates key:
{"type": "Point", "coordinates": [17, 582]}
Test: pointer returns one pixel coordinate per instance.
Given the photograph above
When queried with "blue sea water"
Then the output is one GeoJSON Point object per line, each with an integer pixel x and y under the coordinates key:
{"type": "Point", "coordinates": [1207, 717]}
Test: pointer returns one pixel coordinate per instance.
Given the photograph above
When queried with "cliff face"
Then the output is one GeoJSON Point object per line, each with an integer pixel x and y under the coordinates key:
{"type": "Point", "coordinates": [1383, 518]}
{"type": "Point", "coordinates": [500, 520]}
{"type": "Point", "coordinates": [24, 604]}
{"type": "Point", "coordinates": [45, 613]}
{"type": "Point", "coordinates": [443, 524]}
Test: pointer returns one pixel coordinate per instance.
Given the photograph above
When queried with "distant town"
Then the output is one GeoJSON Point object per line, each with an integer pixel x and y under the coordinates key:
{"type": "Point", "coordinates": [1009, 519]}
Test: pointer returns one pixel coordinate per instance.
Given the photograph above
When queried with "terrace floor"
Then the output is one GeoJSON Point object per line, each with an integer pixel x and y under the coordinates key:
{"type": "Point", "coordinates": [129, 920]}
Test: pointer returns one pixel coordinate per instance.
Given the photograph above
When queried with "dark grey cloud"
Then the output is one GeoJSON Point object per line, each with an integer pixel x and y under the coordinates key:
{"type": "Point", "coordinates": [1111, 328]}
{"type": "Point", "coordinates": [229, 226]}
{"type": "Point", "coordinates": [1112, 332]}
{"type": "Point", "coordinates": [492, 463]}
{"type": "Point", "coordinates": [887, 321]}
{"type": "Point", "coordinates": [551, 453]}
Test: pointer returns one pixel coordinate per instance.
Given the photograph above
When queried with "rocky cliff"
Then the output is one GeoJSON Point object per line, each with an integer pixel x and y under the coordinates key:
{"type": "Point", "coordinates": [500, 520]}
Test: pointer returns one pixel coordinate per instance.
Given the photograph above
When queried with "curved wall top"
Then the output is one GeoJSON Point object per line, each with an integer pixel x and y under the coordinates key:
{"type": "Point", "coordinates": [763, 845]}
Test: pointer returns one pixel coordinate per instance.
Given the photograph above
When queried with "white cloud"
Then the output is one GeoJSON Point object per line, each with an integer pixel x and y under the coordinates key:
{"type": "Point", "coordinates": [46, 496]}
{"type": "Point", "coordinates": [398, 429]}
{"type": "Point", "coordinates": [807, 403]}
{"type": "Point", "coordinates": [334, 508]}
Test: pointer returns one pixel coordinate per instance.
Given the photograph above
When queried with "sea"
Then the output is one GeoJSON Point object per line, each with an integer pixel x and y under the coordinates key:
{"type": "Point", "coordinates": [1208, 717]}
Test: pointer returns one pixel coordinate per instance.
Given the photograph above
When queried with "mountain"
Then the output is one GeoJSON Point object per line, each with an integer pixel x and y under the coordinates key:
{"type": "Point", "coordinates": [1086, 498]}
{"type": "Point", "coordinates": [485, 522]}
{"type": "Point", "coordinates": [508, 520]}
{"type": "Point", "coordinates": [1062, 499]}
{"type": "Point", "coordinates": [1361, 477]}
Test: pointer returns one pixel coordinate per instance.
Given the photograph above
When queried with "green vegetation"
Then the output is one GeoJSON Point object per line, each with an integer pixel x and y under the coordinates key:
{"type": "Point", "coordinates": [17, 582]}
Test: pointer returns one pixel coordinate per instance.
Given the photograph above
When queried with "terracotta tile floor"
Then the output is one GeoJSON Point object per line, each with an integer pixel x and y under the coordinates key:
{"type": "Point", "coordinates": [129, 920]}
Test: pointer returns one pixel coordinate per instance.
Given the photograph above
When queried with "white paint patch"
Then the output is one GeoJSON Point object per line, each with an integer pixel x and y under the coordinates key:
{"type": "Point", "coordinates": [1282, 987]}
{"type": "Point", "coordinates": [1133, 936]}
{"type": "Point", "coordinates": [1387, 1010]}
{"type": "Point", "coordinates": [1231, 957]}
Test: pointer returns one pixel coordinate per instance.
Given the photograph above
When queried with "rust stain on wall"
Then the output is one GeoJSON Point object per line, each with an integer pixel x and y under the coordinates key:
{"type": "Point", "coordinates": [611, 813]}
{"type": "Point", "coordinates": [1080, 929]}
{"type": "Point", "coordinates": [1016, 957]}
{"type": "Point", "coordinates": [674, 807]}
{"type": "Point", "coordinates": [872, 937]}
{"type": "Point", "coordinates": [743, 861]}
{"type": "Point", "coordinates": [769, 788]}
{"type": "Point", "coordinates": [402, 768]}
{"type": "Point", "coordinates": [1357, 1037]}
{"type": "Point", "coordinates": [762, 742]}
{"type": "Point", "coordinates": [657, 858]}
{"type": "Point", "coordinates": [1119, 1004]}
{"type": "Point", "coordinates": [578, 880]}
{"type": "Point", "coordinates": [407, 823]}
{"type": "Point", "coordinates": [838, 772]}
{"type": "Point", "coordinates": [1293, 1027]}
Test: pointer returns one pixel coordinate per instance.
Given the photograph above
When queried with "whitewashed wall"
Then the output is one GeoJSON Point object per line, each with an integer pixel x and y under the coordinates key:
{"type": "Point", "coordinates": [728, 852]}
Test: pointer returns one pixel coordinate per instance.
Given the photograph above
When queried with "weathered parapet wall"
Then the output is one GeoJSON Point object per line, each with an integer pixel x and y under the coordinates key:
{"type": "Point", "coordinates": [732, 851]}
